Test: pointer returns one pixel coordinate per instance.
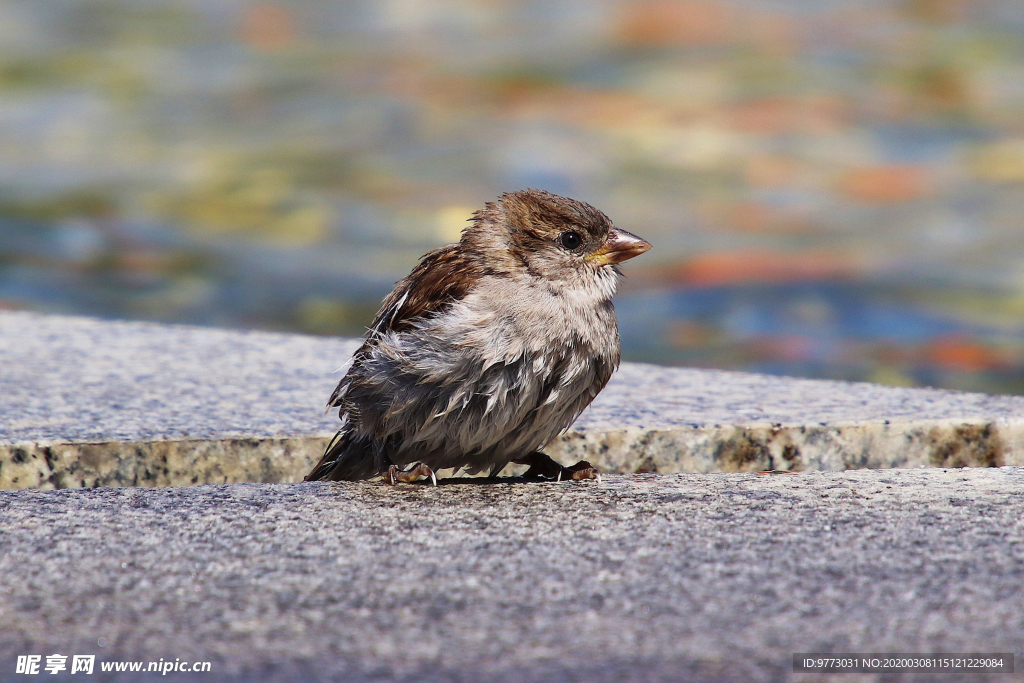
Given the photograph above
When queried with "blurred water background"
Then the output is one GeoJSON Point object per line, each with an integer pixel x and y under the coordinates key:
{"type": "Point", "coordinates": [834, 188]}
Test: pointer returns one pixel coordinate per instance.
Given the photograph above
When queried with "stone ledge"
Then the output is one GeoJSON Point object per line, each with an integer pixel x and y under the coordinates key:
{"type": "Point", "coordinates": [99, 403]}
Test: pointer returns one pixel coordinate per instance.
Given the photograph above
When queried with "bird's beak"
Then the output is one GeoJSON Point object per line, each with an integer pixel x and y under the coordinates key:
{"type": "Point", "coordinates": [619, 246]}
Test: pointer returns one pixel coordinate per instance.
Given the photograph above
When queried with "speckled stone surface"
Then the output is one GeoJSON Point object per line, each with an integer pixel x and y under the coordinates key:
{"type": "Point", "coordinates": [693, 577]}
{"type": "Point", "coordinates": [85, 402]}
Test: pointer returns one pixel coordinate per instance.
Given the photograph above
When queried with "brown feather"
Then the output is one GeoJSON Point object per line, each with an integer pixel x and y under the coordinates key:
{"type": "Point", "coordinates": [442, 277]}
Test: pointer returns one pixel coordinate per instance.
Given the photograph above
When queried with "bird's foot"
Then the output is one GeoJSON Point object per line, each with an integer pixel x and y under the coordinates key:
{"type": "Point", "coordinates": [581, 470]}
{"type": "Point", "coordinates": [395, 475]}
{"type": "Point", "coordinates": [543, 467]}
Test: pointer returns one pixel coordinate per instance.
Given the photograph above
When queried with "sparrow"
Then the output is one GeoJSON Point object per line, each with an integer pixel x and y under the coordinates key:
{"type": "Point", "coordinates": [488, 349]}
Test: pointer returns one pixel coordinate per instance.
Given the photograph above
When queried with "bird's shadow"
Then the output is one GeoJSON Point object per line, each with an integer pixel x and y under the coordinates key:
{"type": "Point", "coordinates": [479, 481]}
{"type": "Point", "coordinates": [469, 481]}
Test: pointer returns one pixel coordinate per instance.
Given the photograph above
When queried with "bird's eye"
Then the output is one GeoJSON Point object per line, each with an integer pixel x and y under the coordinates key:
{"type": "Point", "coordinates": [570, 240]}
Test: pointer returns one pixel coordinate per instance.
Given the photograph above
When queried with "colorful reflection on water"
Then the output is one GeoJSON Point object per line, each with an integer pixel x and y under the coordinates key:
{"type": "Point", "coordinates": [833, 189]}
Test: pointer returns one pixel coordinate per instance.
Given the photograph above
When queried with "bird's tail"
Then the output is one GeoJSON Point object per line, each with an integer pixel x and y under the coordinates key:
{"type": "Point", "coordinates": [348, 458]}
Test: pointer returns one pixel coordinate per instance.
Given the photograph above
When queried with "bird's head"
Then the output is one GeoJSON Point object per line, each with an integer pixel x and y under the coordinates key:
{"type": "Point", "coordinates": [554, 238]}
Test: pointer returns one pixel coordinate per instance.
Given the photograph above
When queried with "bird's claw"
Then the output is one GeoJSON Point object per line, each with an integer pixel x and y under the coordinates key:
{"type": "Point", "coordinates": [581, 470]}
{"type": "Point", "coordinates": [395, 475]}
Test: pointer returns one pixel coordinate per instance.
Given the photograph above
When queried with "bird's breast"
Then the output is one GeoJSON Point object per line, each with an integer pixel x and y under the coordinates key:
{"type": "Point", "coordinates": [507, 318]}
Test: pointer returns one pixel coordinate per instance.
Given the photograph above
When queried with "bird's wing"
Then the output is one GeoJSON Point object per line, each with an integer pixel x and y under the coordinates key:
{"type": "Point", "coordinates": [443, 276]}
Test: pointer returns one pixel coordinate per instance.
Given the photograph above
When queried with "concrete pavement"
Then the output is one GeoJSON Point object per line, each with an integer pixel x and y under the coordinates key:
{"type": "Point", "coordinates": [717, 577]}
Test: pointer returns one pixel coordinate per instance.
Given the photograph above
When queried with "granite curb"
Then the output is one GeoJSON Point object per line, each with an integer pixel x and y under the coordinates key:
{"type": "Point", "coordinates": [88, 403]}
